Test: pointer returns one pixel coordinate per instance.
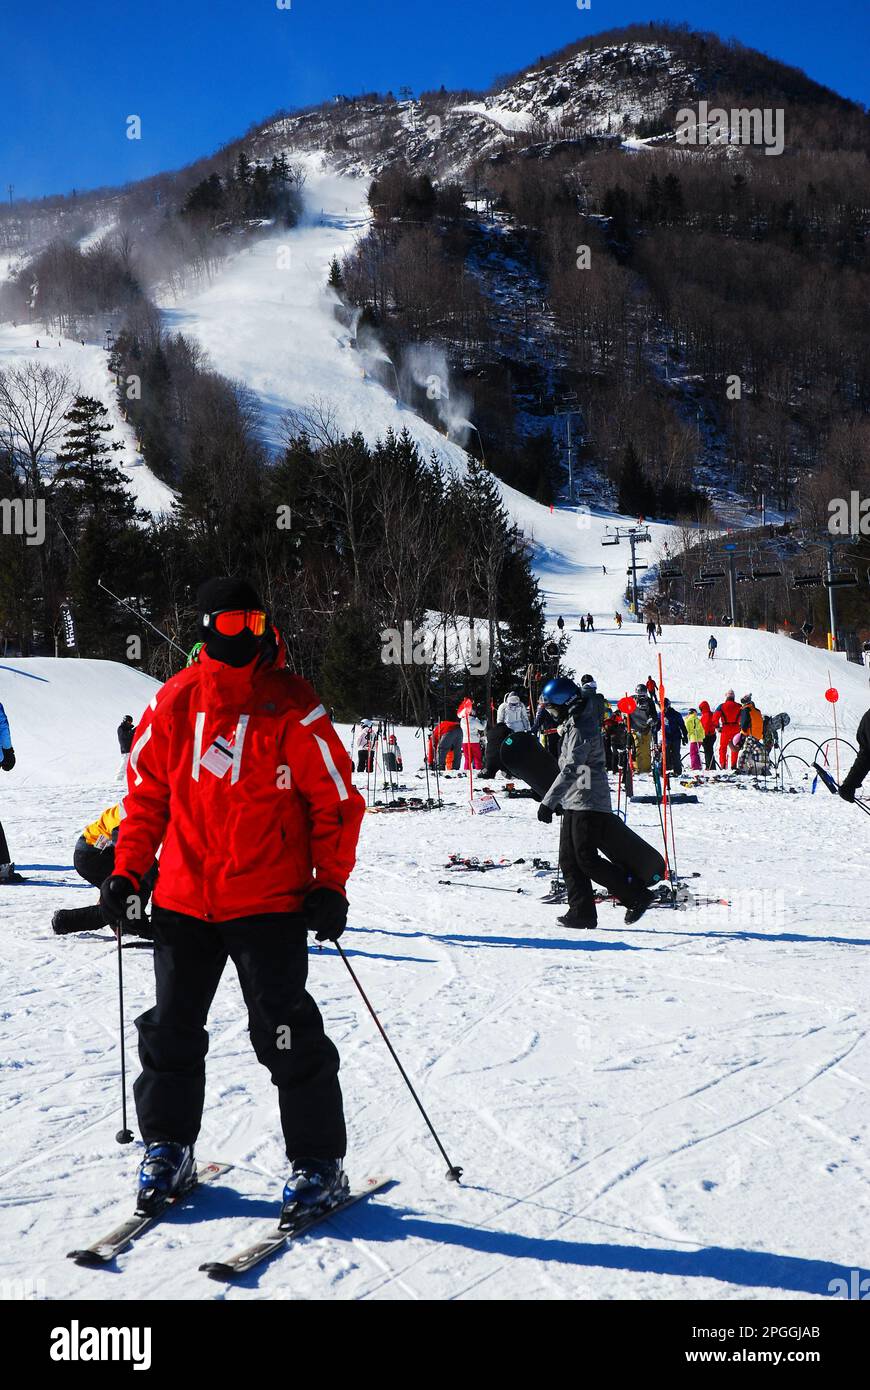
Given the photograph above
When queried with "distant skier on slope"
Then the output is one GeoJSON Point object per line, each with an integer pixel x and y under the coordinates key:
{"type": "Point", "coordinates": [712, 644]}
{"type": "Point", "coordinates": [244, 780]}
{"type": "Point", "coordinates": [581, 793]}
{"type": "Point", "coordinates": [861, 766]}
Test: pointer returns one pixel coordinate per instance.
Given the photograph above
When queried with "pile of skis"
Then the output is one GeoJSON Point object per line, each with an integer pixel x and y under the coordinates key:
{"type": "Point", "coordinates": [405, 803]}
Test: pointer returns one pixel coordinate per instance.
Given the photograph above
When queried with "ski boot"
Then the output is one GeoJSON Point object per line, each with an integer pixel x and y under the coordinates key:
{"type": "Point", "coordinates": [315, 1185]}
{"type": "Point", "coordinates": [577, 923]}
{"type": "Point", "coordinates": [167, 1171]}
{"type": "Point", "coordinates": [73, 919]}
{"type": "Point", "coordinates": [639, 907]}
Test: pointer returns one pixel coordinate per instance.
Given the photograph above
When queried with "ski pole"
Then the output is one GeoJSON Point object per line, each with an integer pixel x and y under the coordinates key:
{"type": "Point", "coordinates": [487, 887]}
{"type": "Point", "coordinates": [453, 1173]}
{"type": "Point", "coordinates": [426, 765]}
{"type": "Point", "coordinates": [124, 1136]}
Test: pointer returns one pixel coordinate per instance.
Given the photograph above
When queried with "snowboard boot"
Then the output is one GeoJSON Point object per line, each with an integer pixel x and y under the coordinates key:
{"type": "Point", "coordinates": [167, 1171]}
{"type": "Point", "coordinates": [639, 907]}
{"type": "Point", "coordinates": [315, 1185]}
{"type": "Point", "coordinates": [8, 874]}
{"type": "Point", "coordinates": [576, 923]}
{"type": "Point", "coordinates": [73, 919]}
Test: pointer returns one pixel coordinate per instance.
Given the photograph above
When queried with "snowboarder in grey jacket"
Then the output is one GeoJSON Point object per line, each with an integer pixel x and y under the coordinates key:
{"type": "Point", "coordinates": [581, 795]}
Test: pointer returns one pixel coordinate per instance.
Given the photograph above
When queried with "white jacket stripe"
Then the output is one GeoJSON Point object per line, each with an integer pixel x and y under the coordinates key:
{"type": "Point", "coordinates": [317, 713]}
{"type": "Point", "coordinates": [197, 744]}
{"type": "Point", "coordinates": [333, 771]}
{"type": "Point", "coordinates": [134, 754]}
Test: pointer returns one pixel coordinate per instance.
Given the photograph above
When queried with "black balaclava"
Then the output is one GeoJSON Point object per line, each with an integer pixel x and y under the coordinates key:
{"type": "Point", "coordinates": [216, 596]}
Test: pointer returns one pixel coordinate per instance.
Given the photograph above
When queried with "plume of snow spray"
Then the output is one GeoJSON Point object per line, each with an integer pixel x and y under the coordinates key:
{"type": "Point", "coordinates": [426, 366]}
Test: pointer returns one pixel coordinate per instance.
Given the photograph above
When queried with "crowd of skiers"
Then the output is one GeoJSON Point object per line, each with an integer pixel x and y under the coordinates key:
{"type": "Point", "coordinates": [734, 736]}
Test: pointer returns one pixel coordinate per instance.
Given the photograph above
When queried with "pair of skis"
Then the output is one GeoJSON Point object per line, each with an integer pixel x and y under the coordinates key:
{"type": "Point", "coordinates": [234, 1265]}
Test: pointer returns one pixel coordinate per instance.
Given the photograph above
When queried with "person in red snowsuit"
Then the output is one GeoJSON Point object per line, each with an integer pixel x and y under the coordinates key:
{"type": "Point", "coordinates": [729, 724]}
{"type": "Point", "coordinates": [236, 769]}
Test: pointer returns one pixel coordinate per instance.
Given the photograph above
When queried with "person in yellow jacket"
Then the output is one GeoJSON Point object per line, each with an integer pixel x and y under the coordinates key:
{"type": "Point", "coordinates": [94, 861]}
{"type": "Point", "coordinates": [695, 730]}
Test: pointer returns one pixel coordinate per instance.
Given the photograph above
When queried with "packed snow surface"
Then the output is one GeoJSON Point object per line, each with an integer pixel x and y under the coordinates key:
{"type": "Point", "coordinates": [675, 1109]}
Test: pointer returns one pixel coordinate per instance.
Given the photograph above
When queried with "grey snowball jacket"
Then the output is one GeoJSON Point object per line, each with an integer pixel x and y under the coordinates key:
{"type": "Point", "coordinates": [582, 781]}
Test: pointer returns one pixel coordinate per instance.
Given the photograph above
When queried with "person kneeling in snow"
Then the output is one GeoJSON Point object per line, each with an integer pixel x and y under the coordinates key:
{"type": "Point", "coordinates": [581, 795]}
{"type": "Point", "coordinates": [94, 861]}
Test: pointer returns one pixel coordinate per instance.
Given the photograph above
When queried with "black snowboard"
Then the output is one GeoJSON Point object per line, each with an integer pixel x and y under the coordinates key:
{"type": "Point", "coordinates": [522, 756]}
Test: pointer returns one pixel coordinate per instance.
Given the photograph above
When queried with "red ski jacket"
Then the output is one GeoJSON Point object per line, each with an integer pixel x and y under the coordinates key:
{"type": "Point", "coordinates": [729, 711]}
{"type": "Point", "coordinates": [709, 718]}
{"type": "Point", "coordinates": [241, 776]}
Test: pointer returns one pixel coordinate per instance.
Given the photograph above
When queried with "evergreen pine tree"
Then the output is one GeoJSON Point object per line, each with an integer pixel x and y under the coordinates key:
{"type": "Point", "coordinates": [99, 517]}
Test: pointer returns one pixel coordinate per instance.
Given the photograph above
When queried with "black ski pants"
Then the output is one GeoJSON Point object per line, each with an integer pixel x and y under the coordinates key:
{"type": "Point", "coordinates": [270, 954]}
{"type": "Point", "coordinates": [585, 837]}
{"type": "Point", "coordinates": [710, 751]}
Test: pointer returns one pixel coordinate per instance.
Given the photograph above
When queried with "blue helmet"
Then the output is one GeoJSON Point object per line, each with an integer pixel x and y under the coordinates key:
{"type": "Point", "coordinates": [560, 691]}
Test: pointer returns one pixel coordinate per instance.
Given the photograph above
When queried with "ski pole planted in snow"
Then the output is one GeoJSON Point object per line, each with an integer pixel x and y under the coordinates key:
{"type": "Point", "coordinates": [453, 1173]}
{"type": "Point", "coordinates": [124, 1135]}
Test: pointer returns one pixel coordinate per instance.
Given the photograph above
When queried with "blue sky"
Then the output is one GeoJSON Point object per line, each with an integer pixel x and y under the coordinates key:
{"type": "Point", "coordinates": [199, 72]}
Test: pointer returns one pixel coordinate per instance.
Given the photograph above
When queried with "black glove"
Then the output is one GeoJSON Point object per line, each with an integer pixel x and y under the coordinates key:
{"type": "Point", "coordinates": [846, 792]}
{"type": "Point", "coordinates": [545, 815]}
{"type": "Point", "coordinates": [121, 900]}
{"type": "Point", "coordinates": [8, 759]}
{"type": "Point", "coordinates": [326, 913]}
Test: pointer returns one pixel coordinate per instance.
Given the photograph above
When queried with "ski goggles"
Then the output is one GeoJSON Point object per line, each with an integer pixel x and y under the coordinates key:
{"type": "Point", "coordinates": [231, 621]}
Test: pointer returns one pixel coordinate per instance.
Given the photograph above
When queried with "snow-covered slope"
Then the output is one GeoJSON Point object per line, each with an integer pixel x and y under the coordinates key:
{"type": "Point", "coordinates": [90, 376]}
{"type": "Point", "coordinates": [64, 714]}
{"type": "Point", "coordinates": [268, 319]}
{"type": "Point", "coordinates": [673, 1110]}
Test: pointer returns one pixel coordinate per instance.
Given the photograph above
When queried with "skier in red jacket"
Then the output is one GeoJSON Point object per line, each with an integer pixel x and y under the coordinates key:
{"type": "Point", "coordinates": [729, 721]}
{"type": "Point", "coordinates": [710, 723]}
{"type": "Point", "coordinates": [236, 769]}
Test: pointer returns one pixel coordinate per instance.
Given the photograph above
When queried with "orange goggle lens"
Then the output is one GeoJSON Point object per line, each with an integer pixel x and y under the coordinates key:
{"type": "Point", "coordinates": [233, 621]}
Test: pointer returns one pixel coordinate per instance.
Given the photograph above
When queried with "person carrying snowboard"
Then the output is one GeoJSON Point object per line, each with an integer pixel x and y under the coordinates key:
{"type": "Point", "coordinates": [861, 766]}
{"type": "Point", "coordinates": [237, 769]}
{"type": "Point", "coordinates": [712, 644]}
{"type": "Point", "coordinates": [581, 795]}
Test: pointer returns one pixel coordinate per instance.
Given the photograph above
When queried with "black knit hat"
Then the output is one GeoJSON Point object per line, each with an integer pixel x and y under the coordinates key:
{"type": "Point", "coordinates": [218, 595]}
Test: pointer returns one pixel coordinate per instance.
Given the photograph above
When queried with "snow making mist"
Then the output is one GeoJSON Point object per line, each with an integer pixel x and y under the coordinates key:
{"type": "Point", "coordinates": [376, 360]}
{"type": "Point", "coordinates": [425, 365]}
